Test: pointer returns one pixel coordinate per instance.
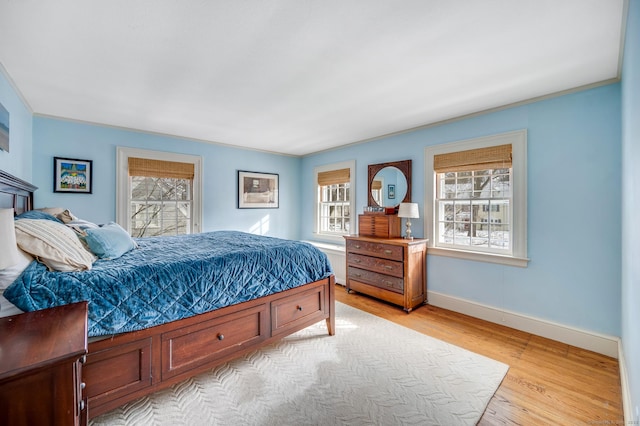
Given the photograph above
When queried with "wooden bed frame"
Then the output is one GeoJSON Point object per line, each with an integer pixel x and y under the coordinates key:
{"type": "Point", "coordinates": [126, 366]}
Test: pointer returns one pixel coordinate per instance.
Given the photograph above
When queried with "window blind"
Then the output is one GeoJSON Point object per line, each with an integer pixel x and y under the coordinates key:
{"type": "Point", "coordinates": [493, 157]}
{"type": "Point", "coordinates": [160, 168]}
{"type": "Point", "coordinates": [334, 177]}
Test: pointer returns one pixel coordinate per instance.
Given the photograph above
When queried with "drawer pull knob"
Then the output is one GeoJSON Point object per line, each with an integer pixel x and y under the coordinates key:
{"type": "Point", "coordinates": [388, 252]}
{"type": "Point", "coordinates": [220, 336]}
{"type": "Point", "coordinates": [357, 275]}
{"type": "Point", "coordinates": [388, 267]}
{"type": "Point", "coordinates": [299, 308]}
{"type": "Point", "coordinates": [357, 260]}
{"type": "Point", "coordinates": [357, 246]}
{"type": "Point", "coordinates": [82, 405]}
{"type": "Point", "coordinates": [83, 385]}
{"type": "Point", "coordinates": [83, 359]}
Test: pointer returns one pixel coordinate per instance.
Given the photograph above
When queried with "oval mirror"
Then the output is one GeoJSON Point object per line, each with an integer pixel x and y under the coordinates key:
{"type": "Point", "coordinates": [390, 183]}
{"type": "Point", "coordinates": [389, 187]}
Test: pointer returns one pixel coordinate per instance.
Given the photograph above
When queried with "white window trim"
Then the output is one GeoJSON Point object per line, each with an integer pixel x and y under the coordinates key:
{"type": "Point", "coordinates": [123, 214]}
{"type": "Point", "coordinates": [518, 141]}
{"type": "Point", "coordinates": [351, 165]}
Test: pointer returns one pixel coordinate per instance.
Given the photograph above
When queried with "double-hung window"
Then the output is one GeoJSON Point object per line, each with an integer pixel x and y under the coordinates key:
{"type": "Point", "coordinates": [334, 186]}
{"type": "Point", "coordinates": [158, 193]}
{"type": "Point", "coordinates": [476, 191]}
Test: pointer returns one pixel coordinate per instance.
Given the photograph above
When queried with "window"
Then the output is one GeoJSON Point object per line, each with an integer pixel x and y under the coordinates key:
{"type": "Point", "coordinates": [158, 193]}
{"type": "Point", "coordinates": [334, 184]}
{"type": "Point", "coordinates": [476, 191]}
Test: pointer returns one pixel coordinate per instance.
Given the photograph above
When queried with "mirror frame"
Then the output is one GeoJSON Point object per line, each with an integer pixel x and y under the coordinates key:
{"type": "Point", "coordinates": [404, 166]}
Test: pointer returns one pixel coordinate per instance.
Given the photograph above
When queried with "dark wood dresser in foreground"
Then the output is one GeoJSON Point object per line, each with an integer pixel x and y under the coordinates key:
{"type": "Point", "coordinates": [391, 269]}
{"type": "Point", "coordinates": [41, 356]}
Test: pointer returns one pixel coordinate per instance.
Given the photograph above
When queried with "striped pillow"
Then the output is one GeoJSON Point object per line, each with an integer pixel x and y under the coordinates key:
{"type": "Point", "coordinates": [53, 244]}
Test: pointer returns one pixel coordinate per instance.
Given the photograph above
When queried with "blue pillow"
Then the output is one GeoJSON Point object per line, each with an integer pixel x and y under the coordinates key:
{"type": "Point", "coordinates": [109, 241]}
{"type": "Point", "coordinates": [37, 214]}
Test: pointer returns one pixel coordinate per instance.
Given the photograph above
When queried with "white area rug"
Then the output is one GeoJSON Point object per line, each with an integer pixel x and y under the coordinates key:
{"type": "Point", "coordinates": [372, 372]}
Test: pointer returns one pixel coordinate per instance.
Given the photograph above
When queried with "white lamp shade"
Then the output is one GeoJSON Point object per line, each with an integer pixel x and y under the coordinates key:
{"type": "Point", "coordinates": [8, 245]}
{"type": "Point", "coordinates": [409, 210]}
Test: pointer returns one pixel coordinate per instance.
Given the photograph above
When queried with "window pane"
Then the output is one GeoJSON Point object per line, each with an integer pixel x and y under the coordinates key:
{"type": "Point", "coordinates": [499, 237]}
{"type": "Point", "coordinates": [333, 209]}
{"type": "Point", "coordinates": [160, 206]}
{"type": "Point", "coordinates": [474, 209]}
{"type": "Point", "coordinates": [463, 188]}
{"type": "Point", "coordinates": [479, 235]}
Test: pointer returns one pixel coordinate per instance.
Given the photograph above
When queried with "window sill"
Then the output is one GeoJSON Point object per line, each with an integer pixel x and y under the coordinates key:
{"type": "Point", "coordinates": [329, 238]}
{"type": "Point", "coordinates": [520, 262]}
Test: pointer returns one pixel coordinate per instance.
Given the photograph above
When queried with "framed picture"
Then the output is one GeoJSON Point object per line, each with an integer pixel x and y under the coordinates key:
{"type": "Point", "coordinates": [257, 190]}
{"type": "Point", "coordinates": [391, 190]}
{"type": "Point", "coordinates": [71, 175]}
{"type": "Point", "coordinates": [4, 129]}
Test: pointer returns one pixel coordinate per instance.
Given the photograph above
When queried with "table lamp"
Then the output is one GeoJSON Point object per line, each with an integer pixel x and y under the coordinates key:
{"type": "Point", "coordinates": [408, 211]}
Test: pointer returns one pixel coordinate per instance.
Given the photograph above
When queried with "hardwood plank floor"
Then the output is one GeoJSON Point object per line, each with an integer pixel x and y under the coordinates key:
{"type": "Point", "coordinates": [548, 382]}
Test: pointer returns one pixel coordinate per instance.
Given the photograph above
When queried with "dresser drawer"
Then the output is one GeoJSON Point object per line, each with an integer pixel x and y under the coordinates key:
{"type": "Point", "coordinates": [386, 282]}
{"type": "Point", "coordinates": [386, 251]}
{"type": "Point", "coordinates": [377, 264]}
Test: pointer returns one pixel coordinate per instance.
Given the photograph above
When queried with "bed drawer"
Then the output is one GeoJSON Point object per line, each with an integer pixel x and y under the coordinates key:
{"type": "Point", "coordinates": [368, 248]}
{"type": "Point", "coordinates": [386, 282]}
{"type": "Point", "coordinates": [192, 346]}
{"type": "Point", "coordinates": [115, 372]}
{"type": "Point", "coordinates": [296, 310]}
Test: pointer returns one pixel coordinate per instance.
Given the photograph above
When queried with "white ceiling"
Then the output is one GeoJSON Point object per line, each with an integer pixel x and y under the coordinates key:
{"type": "Point", "coordinates": [299, 76]}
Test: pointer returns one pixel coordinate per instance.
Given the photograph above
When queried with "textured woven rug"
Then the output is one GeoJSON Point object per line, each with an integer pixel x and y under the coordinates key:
{"type": "Point", "coordinates": [372, 372]}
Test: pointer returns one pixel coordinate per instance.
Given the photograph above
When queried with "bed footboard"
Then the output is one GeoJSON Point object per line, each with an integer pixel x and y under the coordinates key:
{"type": "Point", "coordinates": [130, 365]}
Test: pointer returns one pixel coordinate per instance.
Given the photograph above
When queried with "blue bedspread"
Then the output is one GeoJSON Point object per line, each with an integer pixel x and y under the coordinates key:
{"type": "Point", "coordinates": [170, 278]}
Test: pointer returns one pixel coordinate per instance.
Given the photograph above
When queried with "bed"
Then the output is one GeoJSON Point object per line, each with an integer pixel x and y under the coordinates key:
{"type": "Point", "coordinates": [131, 356]}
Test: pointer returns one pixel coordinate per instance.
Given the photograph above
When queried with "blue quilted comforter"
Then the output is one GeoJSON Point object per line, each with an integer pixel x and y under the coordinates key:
{"type": "Point", "coordinates": [170, 278]}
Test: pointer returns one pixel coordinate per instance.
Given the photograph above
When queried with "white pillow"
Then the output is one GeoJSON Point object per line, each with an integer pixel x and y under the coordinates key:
{"type": "Point", "coordinates": [9, 275]}
{"type": "Point", "coordinates": [8, 246]}
{"type": "Point", "coordinates": [53, 244]}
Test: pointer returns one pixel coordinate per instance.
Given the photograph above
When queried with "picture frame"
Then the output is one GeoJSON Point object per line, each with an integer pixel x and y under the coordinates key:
{"type": "Point", "coordinates": [391, 191]}
{"type": "Point", "coordinates": [72, 175]}
{"type": "Point", "coordinates": [257, 190]}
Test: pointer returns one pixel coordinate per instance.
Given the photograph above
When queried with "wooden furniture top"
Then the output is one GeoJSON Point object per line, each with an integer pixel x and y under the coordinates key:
{"type": "Point", "coordinates": [392, 241]}
{"type": "Point", "coordinates": [42, 338]}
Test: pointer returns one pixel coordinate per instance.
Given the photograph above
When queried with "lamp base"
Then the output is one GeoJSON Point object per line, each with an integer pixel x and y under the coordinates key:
{"type": "Point", "coordinates": [407, 231]}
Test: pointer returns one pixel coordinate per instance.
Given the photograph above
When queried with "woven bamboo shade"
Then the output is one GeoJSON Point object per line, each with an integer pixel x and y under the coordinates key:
{"type": "Point", "coordinates": [334, 177]}
{"type": "Point", "coordinates": [160, 169]}
{"type": "Point", "coordinates": [376, 184]}
{"type": "Point", "coordinates": [493, 157]}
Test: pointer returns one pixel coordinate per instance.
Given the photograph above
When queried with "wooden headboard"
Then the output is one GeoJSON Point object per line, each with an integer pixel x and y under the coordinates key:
{"type": "Point", "coordinates": [15, 193]}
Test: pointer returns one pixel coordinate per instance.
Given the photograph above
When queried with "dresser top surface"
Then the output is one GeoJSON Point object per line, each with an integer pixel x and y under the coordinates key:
{"type": "Point", "coordinates": [393, 241]}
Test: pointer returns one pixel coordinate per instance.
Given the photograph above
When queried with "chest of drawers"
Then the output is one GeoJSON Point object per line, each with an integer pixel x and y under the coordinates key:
{"type": "Point", "coordinates": [42, 353]}
{"type": "Point", "coordinates": [392, 269]}
{"type": "Point", "coordinates": [379, 225]}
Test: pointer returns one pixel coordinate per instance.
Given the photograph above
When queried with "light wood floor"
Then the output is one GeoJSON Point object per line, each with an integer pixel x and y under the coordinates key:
{"type": "Point", "coordinates": [548, 383]}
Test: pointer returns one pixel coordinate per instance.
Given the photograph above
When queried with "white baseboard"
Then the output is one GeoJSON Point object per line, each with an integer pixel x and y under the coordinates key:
{"type": "Point", "coordinates": [600, 343]}
{"type": "Point", "coordinates": [627, 405]}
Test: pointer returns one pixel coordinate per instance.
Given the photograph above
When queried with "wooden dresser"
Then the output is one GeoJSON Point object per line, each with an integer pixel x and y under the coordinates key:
{"type": "Point", "coordinates": [41, 370]}
{"type": "Point", "coordinates": [391, 269]}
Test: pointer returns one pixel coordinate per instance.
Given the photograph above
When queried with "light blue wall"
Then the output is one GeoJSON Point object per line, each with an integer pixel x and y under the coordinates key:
{"type": "Point", "coordinates": [573, 208]}
{"type": "Point", "coordinates": [60, 138]}
{"type": "Point", "coordinates": [18, 160]}
{"type": "Point", "coordinates": [631, 204]}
